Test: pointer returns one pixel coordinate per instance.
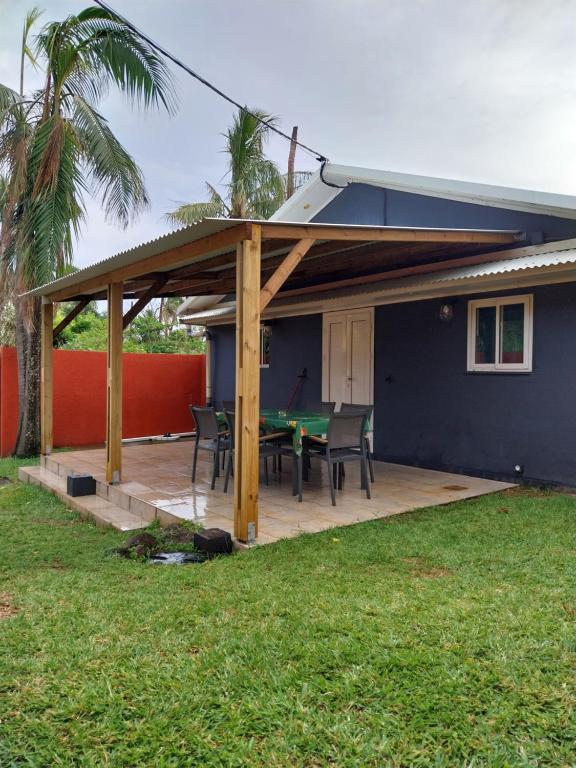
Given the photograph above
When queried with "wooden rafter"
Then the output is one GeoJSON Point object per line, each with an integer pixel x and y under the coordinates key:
{"type": "Point", "coordinates": [74, 312]}
{"type": "Point", "coordinates": [283, 271]}
{"type": "Point", "coordinates": [388, 234]}
{"type": "Point", "coordinates": [393, 274]}
{"type": "Point", "coordinates": [145, 299]}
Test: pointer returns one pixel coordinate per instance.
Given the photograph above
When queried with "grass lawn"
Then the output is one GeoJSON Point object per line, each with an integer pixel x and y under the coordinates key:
{"type": "Point", "coordinates": [445, 637]}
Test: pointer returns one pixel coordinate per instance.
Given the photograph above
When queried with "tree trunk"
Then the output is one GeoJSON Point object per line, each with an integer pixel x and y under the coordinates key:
{"type": "Point", "coordinates": [28, 354]}
{"type": "Point", "coordinates": [291, 159]}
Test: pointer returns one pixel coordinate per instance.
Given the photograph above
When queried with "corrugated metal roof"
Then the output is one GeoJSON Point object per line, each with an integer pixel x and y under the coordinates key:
{"type": "Point", "coordinates": [175, 239]}
{"type": "Point", "coordinates": [204, 228]}
{"type": "Point", "coordinates": [535, 261]}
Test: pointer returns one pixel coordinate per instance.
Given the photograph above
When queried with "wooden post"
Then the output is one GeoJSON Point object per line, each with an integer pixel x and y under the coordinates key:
{"type": "Point", "coordinates": [246, 461]}
{"type": "Point", "coordinates": [114, 385]}
{"type": "Point", "coordinates": [46, 399]}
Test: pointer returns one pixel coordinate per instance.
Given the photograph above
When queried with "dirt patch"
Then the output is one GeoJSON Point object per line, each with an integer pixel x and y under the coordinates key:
{"type": "Point", "coordinates": [530, 491]}
{"type": "Point", "coordinates": [7, 610]}
{"type": "Point", "coordinates": [431, 573]}
{"type": "Point", "coordinates": [422, 569]}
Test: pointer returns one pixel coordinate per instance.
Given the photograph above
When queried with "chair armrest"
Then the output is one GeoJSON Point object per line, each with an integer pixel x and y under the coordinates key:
{"type": "Point", "coordinates": [315, 439]}
{"type": "Point", "coordinates": [273, 436]}
{"type": "Point", "coordinates": [224, 434]}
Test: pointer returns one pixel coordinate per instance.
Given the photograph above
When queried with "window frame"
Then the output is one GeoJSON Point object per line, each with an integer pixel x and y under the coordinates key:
{"type": "Point", "coordinates": [497, 367]}
{"type": "Point", "coordinates": [262, 356]}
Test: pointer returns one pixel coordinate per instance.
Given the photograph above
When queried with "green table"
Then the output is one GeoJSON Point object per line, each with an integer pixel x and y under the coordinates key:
{"type": "Point", "coordinates": [299, 423]}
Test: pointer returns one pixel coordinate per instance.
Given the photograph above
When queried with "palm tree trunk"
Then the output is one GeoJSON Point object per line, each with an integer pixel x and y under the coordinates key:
{"type": "Point", "coordinates": [28, 355]}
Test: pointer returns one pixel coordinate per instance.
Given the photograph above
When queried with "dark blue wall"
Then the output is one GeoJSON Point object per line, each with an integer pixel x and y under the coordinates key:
{"type": "Point", "coordinates": [430, 412]}
{"type": "Point", "coordinates": [296, 343]}
{"type": "Point", "coordinates": [363, 204]}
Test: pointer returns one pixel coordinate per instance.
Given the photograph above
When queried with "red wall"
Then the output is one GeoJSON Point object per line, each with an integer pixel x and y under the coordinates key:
{"type": "Point", "coordinates": [157, 390]}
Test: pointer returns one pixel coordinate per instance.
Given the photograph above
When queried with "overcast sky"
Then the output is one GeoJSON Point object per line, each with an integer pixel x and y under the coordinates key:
{"type": "Point", "coordinates": [483, 90]}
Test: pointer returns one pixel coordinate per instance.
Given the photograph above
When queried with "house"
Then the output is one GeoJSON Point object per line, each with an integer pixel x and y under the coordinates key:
{"type": "Point", "coordinates": [450, 306]}
{"type": "Point", "coordinates": [467, 352]}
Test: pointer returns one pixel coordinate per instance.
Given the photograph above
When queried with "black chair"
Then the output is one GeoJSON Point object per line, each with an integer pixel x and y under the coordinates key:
{"type": "Point", "coordinates": [270, 445]}
{"type": "Point", "coordinates": [367, 411]}
{"type": "Point", "coordinates": [344, 442]}
{"type": "Point", "coordinates": [323, 407]}
{"type": "Point", "coordinates": [209, 437]}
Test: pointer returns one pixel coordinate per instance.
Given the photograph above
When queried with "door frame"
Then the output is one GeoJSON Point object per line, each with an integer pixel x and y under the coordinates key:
{"type": "Point", "coordinates": [325, 362]}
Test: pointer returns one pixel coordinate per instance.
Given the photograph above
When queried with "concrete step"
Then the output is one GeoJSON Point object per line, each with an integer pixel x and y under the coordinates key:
{"type": "Point", "coordinates": [94, 507]}
{"type": "Point", "coordinates": [117, 495]}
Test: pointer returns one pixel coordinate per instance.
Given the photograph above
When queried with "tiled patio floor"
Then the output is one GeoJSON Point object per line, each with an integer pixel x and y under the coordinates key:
{"type": "Point", "coordinates": [160, 474]}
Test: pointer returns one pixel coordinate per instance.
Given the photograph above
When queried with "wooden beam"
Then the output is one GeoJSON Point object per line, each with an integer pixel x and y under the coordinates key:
{"type": "Point", "coordinates": [283, 272]}
{"type": "Point", "coordinates": [46, 383]}
{"type": "Point", "coordinates": [114, 385]}
{"type": "Point", "coordinates": [82, 304]}
{"type": "Point", "coordinates": [160, 261]}
{"type": "Point", "coordinates": [387, 234]}
{"type": "Point", "coordinates": [246, 468]}
{"type": "Point", "coordinates": [145, 299]}
{"type": "Point", "coordinates": [393, 274]}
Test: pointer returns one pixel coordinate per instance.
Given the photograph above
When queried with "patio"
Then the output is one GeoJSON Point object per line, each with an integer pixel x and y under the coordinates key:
{"type": "Point", "coordinates": [157, 484]}
{"type": "Point", "coordinates": [260, 262]}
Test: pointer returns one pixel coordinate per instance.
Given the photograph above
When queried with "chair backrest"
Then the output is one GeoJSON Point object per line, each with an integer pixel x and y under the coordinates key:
{"type": "Point", "coordinates": [231, 421]}
{"type": "Point", "coordinates": [323, 407]}
{"type": "Point", "coordinates": [357, 408]}
{"type": "Point", "coordinates": [346, 430]}
{"type": "Point", "coordinates": [228, 405]}
{"type": "Point", "coordinates": [206, 422]}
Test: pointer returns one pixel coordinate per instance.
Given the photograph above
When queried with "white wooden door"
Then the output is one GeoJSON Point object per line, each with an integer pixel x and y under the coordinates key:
{"type": "Point", "coordinates": [348, 356]}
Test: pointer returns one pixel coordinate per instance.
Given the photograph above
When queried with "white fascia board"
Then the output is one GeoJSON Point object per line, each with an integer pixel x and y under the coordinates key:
{"type": "Point", "coordinates": [307, 201]}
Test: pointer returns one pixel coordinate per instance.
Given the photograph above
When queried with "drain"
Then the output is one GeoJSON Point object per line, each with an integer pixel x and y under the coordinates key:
{"type": "Point", "coordinates": [177, 558]}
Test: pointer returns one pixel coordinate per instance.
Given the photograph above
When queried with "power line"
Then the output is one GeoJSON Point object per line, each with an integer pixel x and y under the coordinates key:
{"type": "Point", "coordinates": [317, 155]}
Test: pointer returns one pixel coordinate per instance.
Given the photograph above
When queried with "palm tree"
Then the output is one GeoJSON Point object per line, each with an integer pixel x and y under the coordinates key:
{"type": "Point", "coordinates": [55, 147]}
{"type": "Point", "coordinates": [255, 188]}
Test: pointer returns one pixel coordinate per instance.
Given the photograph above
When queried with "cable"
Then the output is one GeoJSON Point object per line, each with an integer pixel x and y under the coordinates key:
{"type": "Point", "coordinates": [317, 155]}
{"type": "Point", "coordinates": [329, 183]}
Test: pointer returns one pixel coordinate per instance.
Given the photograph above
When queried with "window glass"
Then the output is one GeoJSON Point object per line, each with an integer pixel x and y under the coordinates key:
{"type": "Point", "coordinates": [512, 333]}
{"type": "Point", "coordinates": [264, 346]}
{"type": "Point", "coordinates": [485, 335]}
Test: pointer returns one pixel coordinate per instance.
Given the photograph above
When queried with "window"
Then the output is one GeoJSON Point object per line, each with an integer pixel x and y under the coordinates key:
{"type": "Point", "coordinates": [265, 336]}
{"type": "Point", "coordinates": [500, 334]}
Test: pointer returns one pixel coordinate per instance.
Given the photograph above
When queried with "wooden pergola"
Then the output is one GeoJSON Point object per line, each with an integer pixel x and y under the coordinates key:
{"type": "Point", "coordinates": [258, 262]}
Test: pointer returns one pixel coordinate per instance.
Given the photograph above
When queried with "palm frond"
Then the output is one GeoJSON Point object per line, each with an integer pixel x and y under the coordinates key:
{"type": "Point", "coordinates": [27, 52]}
{"type": "Point", "coordinates": [113, 172]}
{"type": "Point", "coordinates": [106, 46]}
{"type": "Point", "coordinates": [52, 210]}
{"type": "Point", "coordinates": [216, 198]}
{"type": "Point", "coordinates": [190, 213]}
{"type": "Point", "coordinates": [8, 98]}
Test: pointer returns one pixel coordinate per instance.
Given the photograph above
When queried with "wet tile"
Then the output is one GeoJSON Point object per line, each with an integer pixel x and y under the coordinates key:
{"type": "Point", "coordinates": [157, 481]}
